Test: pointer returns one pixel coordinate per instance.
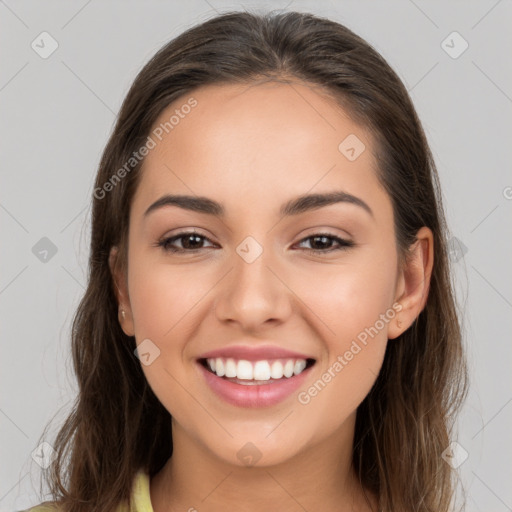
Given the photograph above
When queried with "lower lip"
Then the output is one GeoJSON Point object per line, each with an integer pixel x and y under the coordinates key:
{"type": "Point", "coordinates": [254, 395]}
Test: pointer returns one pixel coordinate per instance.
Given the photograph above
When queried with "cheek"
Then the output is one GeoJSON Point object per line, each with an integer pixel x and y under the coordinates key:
{"type": "Point", "coordinates": [163, 296]}
{"type": "Point", "coordinates": [168, 304]}
{"type": "Point", "coordinates": [347, 298]}
{"type": "Point", "coordinates": [165, 303]}
{"type": "Point", "coordinates": [353, 358]}
{"type": "Point", "coordinates": [352, 313]}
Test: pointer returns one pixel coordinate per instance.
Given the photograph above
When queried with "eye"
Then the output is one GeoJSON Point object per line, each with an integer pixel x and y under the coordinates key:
{"type": "Point", "coordinates": [191, 241]}
{"type": "Point", "coordinates": [323, 242]}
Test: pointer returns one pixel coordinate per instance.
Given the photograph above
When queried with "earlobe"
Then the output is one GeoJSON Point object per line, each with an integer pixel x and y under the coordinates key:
{"type": "Point", "coordinates": [125, 316]}
{"type": "Point", "coordinates": [414, 282]}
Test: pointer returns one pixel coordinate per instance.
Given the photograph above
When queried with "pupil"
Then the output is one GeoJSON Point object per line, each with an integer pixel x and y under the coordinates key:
{"type": "Point", "coordinates": [325, 241]}
{"type": "Point", "coordinates": [189, 238]}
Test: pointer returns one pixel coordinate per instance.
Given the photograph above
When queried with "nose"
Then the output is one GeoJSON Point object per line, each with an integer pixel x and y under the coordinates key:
{"type": "Point", "coordinates": [253, 294]}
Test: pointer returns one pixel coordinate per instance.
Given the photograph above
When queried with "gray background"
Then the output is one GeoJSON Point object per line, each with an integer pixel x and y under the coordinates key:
{"type": "Point", "coordinates": [58, 112]}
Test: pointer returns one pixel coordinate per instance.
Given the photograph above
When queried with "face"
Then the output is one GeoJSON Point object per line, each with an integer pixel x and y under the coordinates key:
{"type": "Point", "coordinates": [265, 278]}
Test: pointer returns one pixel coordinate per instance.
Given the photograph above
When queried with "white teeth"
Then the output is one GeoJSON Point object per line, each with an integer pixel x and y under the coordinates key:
{"type": "Point", "coordinates": [276, 371]}
{"type": "Point", "coordinates": [230, 369]}
{"type": "Point", "coordinates": [288, 368]}
{"type": "Point", "coordinates": [219, 367]}
{"type": "Point", "coordinates": [299, 366]}
{"type": "Point", "coordinates": [257, 370]}
{"type": "Point", "coordinates": [244, 370]}
{"type": "Point", "coordinates": [261, 371]}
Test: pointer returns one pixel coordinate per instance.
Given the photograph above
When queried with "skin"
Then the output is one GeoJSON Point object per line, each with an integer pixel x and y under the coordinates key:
{"type": "Point", "coordinates": [253, 149]}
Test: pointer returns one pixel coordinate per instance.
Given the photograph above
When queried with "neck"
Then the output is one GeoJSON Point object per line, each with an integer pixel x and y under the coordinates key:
{"type": "Point", "coordinates": [318, 477]}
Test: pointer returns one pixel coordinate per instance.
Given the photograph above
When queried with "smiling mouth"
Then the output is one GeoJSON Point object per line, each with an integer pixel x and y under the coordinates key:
{"type": "Point", "coordinates": [256, 372]}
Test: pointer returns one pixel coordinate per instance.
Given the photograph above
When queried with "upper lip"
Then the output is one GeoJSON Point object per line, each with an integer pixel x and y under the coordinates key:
{"type": "Point", "coordinates": [258, 353]}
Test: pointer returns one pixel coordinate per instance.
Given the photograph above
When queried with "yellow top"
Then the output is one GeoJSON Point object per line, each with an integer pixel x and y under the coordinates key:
{"type": "Point", "coordinates": [140, 500]}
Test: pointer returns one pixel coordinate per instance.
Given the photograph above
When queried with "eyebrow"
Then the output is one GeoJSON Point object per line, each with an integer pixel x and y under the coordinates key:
{"type": "Point", "coordinates": [295, 206]}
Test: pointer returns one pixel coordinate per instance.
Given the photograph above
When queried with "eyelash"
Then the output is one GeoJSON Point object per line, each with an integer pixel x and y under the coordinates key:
{"type": "Point", "coordinates": [165, 243]}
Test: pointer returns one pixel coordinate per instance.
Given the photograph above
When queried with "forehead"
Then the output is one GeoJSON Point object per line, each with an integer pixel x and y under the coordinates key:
{"type": "Point", "coordinates": [265, 140]}
{"type": "Point", "coordinates": [249, 117]}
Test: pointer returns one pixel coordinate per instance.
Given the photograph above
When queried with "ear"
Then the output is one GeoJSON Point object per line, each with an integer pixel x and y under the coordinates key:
{"type": "Point", "coordinates": [414, 282]}
{"type": "Point", "coordinates": [121, 291]}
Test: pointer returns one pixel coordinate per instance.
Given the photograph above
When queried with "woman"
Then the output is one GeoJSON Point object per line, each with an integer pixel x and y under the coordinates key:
{"type": "Point", "coordinates": [269, 322]}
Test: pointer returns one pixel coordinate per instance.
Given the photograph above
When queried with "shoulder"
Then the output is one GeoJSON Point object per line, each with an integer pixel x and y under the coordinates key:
{"type": "Point", "coordinates": [140, 500]}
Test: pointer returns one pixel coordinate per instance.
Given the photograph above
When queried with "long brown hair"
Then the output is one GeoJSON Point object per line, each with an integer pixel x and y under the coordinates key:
{"type": "Point", "coordinates": [117, 425]}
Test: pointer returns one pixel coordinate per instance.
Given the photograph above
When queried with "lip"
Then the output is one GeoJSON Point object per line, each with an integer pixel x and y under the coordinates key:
{"type": "Point", "coordinates": [253, 396]}
{"type": "Point", "coordinates": [258, 353]}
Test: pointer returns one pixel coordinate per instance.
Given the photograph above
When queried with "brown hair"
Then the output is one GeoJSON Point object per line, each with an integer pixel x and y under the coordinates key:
{"type": "Point", "coordinates": [117, 424]}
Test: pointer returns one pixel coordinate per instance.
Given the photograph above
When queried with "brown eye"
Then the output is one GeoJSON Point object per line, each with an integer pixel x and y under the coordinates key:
{"type": "Point", "coordinates": [189, 241]}
{"type": "Point", "coordinates": [325, 242]}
